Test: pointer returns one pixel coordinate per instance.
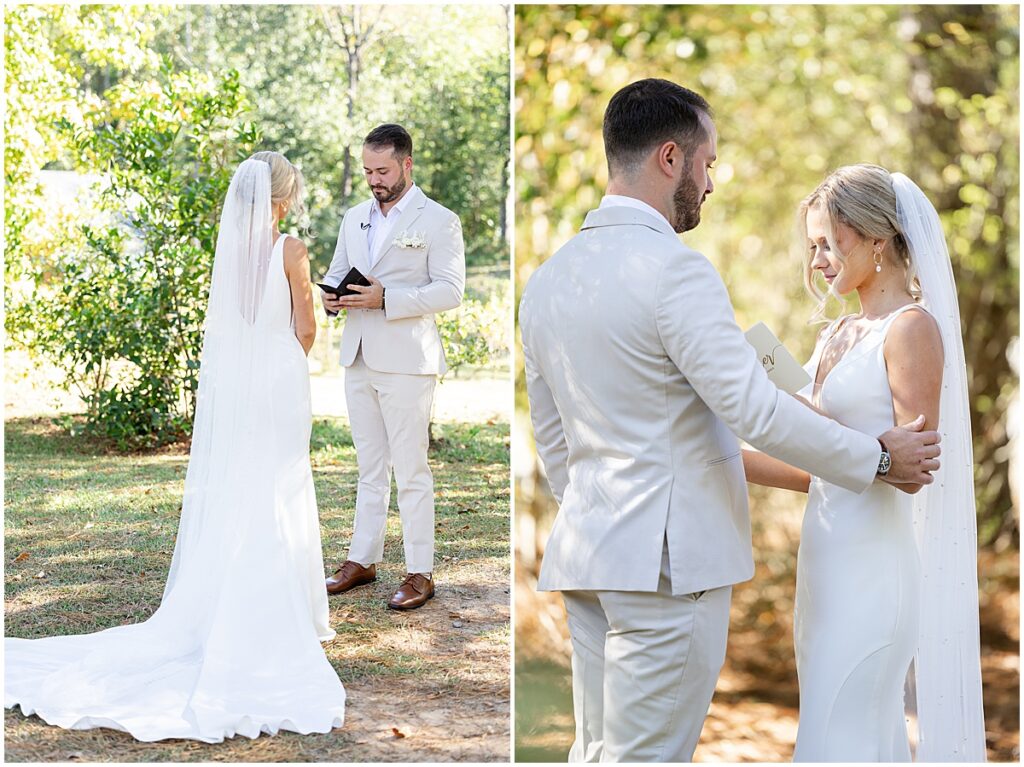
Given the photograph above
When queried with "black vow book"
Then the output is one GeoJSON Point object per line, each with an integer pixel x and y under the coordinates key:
{"type": "Point", "coordinates": [354, 277]}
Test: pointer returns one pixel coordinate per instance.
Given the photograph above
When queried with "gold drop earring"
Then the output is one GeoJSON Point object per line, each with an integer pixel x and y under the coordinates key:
{"type": "Point", "coordinates": [878, 260]}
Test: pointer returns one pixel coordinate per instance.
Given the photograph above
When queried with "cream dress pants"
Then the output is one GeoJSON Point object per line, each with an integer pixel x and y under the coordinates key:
{"type": "Point", "coordinates": [390, 417]}
{"type": "Point", "coordinates": [644, 669]}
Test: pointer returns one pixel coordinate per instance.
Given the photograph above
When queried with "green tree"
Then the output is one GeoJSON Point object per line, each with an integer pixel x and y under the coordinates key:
{"type": "Point", "coordinates": [325, 76]}
{"type": "Point", "coordinates": [967, 155]}
{"type": "Point", "coordinates": [54, 56]}
{"type": "Point", "coordinates": [124, 315]}
{"type": "Point", "coordinates": [150, 101]}
{"type": "Point", "coordinates": [798, 91]}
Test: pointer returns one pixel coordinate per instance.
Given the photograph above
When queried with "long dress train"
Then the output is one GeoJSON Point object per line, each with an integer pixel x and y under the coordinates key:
{"type": "Point", "coordinates": [234, 647]}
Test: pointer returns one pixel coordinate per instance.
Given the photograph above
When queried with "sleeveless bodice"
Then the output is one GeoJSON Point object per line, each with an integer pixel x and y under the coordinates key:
{"type": "Point", "coordinates": [275, 313]}
{"type": "Point", "coordinates": [856, 390]}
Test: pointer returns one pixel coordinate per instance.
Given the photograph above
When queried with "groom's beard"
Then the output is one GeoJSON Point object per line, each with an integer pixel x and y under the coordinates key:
{"type": "Point", "coordinates": [686, 202]}
{"type": "Point", "coordinates": [388, 193]}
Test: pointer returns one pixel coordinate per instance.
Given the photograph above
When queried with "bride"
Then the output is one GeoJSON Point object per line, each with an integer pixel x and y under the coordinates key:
{"type": "Point", "coordinates": [234, 648]}
{"type": "Point", "coordinates": [886, 580]}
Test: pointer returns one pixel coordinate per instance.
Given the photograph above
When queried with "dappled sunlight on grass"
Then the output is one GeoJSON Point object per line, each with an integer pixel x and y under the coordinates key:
{"type": "Point", "coordinates": [101, 528]}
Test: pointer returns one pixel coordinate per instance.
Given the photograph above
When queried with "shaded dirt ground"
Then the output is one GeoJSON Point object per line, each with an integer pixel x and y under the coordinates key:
{"type": "Point", "coordinates": [428, 685]}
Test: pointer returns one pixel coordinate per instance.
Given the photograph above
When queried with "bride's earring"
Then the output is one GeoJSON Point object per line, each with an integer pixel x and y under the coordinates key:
{"type": "Point", "coordinates": [878, 260]}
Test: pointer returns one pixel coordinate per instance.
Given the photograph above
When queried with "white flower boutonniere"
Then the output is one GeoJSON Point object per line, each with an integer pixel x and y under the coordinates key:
{"type": "Point", "coordinates": [407, 239]}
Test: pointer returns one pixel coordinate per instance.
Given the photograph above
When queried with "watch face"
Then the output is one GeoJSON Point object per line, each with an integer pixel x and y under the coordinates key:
{"type": "Point", "coordinates": [884, 463]}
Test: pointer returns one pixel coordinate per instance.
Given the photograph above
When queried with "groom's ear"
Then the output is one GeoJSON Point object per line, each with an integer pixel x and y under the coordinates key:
{"type": "Point", "coordinates": [669, 158]}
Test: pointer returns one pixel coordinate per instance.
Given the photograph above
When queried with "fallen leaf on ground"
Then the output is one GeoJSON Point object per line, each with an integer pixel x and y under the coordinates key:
{"type": "Point", "coordinates": [397, 733]}
{"type": "Point", "coordinates": [40, 574]}
{"type": "Point", "coordinates": [21, 557]}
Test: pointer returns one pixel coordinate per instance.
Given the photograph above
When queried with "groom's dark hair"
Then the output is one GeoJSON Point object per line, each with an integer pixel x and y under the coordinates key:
{"type": "Point", "coordinates": [647, 113]}
{"type": "Point", "coordinates": [390, 135]}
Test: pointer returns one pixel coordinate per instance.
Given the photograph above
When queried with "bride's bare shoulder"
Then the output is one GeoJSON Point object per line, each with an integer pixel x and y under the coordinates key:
{"type": "Point", "coordinates": [914, 337]}
{"type": "Point", "coordinates": [296, 261]}
{"type": "Point", "coordinates": [294, 250]}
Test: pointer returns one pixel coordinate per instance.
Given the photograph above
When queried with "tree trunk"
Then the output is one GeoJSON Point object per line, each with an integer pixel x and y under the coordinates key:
{"type": "Point", "coordinates": [349, 32]}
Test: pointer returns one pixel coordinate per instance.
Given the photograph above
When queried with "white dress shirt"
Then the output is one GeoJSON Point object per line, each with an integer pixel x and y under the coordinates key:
{"type": "Point", "coordinates": [381, 224]}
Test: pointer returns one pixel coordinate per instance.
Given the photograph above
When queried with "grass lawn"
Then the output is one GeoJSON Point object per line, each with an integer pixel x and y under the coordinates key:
{"type": "Point", "coordinates": [88, 541]}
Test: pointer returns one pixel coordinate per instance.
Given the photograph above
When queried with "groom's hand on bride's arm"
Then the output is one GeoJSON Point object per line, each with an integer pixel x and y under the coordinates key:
{"type": "Point", "coordinates": [366, 297]}
{"type": "Point", "coordinates": [914, 453]}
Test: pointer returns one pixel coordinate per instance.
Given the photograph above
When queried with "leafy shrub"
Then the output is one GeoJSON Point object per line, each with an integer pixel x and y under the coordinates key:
{"type": "Point", "coordinates": [476, 334]}
{"type": "Point", "coordinates": [124, 315]}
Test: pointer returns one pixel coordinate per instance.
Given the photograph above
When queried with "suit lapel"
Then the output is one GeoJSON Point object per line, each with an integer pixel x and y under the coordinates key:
{"type": "Point", "coordinates": [405, 220]}
{"type": "Point", "coordinates": [355, 238]}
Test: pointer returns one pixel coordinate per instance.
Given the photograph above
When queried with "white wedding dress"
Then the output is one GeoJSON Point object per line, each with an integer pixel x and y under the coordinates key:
{"type": "Point", "coordinates": [857, 583]}
{"type": "Point", "coordinates": [234, 648]}
{"type": "Point", "coordinates": [885, 578]}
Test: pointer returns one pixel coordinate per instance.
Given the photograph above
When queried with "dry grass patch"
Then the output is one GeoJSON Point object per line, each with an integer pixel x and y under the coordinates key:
{"type": "Point", "coordinates": [427, 685]}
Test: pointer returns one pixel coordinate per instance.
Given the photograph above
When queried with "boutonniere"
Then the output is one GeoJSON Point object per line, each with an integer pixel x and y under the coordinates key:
{"type": "Point", "coordinates": [415, 240]}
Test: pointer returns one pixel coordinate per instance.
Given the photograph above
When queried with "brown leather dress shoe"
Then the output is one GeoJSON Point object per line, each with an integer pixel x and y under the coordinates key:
{"type": "Point", "coordinates": [350, 575]}
{"type": "Point", "coordinates": [414, 592]}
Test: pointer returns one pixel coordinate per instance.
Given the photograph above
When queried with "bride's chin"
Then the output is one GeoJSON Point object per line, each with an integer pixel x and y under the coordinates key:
{"type": "Point", "coordinates": [839, 288]}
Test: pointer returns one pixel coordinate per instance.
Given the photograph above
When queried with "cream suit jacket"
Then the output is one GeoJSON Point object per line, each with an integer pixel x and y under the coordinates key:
{"type": "Point", "coordinates": [639, 382]}
{"type": "Point", "coordinates": [418, 282]}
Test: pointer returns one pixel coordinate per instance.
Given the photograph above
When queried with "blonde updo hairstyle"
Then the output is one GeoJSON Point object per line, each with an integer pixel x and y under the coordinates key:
{"type": "Point", "coordinates": [861, 197]}
{"type": "Point", "coordinates": [286, 183]}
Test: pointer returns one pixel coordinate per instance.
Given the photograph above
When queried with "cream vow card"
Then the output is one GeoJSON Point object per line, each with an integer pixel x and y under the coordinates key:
{"type": "Point", "coordinates": [784, 371]}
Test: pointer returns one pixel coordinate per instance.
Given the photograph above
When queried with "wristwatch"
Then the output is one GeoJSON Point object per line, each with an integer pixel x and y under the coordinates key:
{"type": "Point", "coordinates": [884, 460]}
{"type": "Point", "coordinates": [383, 291]}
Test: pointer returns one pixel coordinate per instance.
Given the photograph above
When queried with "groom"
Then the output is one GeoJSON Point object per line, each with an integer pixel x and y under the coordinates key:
{"type": "Point", "coordinates": [638, 379]}
{"type": "Point", "coordinates": [410, 250]}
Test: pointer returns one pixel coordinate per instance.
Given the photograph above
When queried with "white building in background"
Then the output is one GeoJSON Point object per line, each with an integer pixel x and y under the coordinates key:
{"type": "Point", "coordinates": [63, 187]}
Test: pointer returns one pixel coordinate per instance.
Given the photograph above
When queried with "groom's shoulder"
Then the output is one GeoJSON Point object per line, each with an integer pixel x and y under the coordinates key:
{"type": "Point", "coordinates": [633, 237]}
{"type": "Point", "coordinates": [437, 209]}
